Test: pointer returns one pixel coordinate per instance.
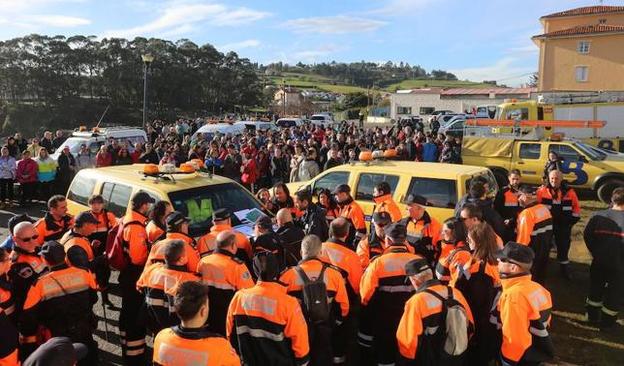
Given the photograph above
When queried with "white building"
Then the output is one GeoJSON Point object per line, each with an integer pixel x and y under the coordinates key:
{"type": "Point", "coordinates": [423, 102]}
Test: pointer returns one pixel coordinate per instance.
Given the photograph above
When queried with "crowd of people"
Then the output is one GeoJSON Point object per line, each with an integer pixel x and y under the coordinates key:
{"type": "Point", "coordinates": [313, 285]}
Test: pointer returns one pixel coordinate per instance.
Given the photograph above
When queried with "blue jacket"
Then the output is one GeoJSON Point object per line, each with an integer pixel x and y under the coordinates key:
{"type": "Point", "coordinates": [430, 152]}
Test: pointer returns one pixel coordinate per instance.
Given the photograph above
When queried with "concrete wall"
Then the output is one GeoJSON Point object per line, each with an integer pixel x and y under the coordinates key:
{"type": "Point", "coordinates": [456, 103]}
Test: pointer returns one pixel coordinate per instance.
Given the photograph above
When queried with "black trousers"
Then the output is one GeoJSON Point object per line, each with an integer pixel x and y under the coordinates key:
{"type": "Point", "coordinates": [131, 328]}
{"type": "Point", "coordinates": [28, 191]}
{"type": "Point", "coordinates": [606, 283]}
{"type": "Point", "coordinates": [45, 190]}
{"type": "Point", "coordinates": [320, 338]}
{"type": "Point", "coordinates": [541, 249]}
{"type": "Point", "coordinates": [6, 189]}
{"type": "Point", "coordinates": [562, 233]}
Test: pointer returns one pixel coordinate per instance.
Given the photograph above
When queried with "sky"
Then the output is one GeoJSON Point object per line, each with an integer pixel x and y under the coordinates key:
{"type": "Point", "coordinates": [475, 39]}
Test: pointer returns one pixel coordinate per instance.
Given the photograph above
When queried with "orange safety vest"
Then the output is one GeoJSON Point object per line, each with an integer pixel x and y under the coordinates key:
{"type": "Point", "coordinates": [178, 346]}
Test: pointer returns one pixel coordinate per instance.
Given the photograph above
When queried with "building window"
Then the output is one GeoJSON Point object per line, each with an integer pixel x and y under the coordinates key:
{"type": "Point", "coordinates": [404, 110]}
{"type": "Point", "coordinates": [583, 47]}
{"type": "Point", "coordinates": [426, 110]}
{"type": "Point", "coordinates": [602, 21]}
{"type": "Point", "coordinates": [581, 73]}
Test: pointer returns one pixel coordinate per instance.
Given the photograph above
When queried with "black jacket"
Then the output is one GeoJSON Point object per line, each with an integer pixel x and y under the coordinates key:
{"type": "Point", "coordinates": [489, 214]}
{"type": "Point", "coordinates": [291, 237]}
{"type": "Point", "coordinates": [313, 222]}
{"type": "Point", "coordinates": [604, 237]}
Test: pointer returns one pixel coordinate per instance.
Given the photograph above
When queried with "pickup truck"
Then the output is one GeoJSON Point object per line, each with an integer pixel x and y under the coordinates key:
{"type": "Point", "coordinates": [583, 166]}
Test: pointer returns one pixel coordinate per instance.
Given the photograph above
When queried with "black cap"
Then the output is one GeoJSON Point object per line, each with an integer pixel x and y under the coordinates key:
{"type": "Point", "coordinates": [53, 252]}
{"type": "Point", "coordinates": [381, 218]}
{"type": "Point", "coordinates": [526, 189]}
{"type": "Point", "coordinates": [265, 266]}
{"type": "Point", "coordinates": [13, 221]}
{"type": "Point", "coordinates": [141, 198]}
{"type": "Point", "coordinates": [415, 199]}
{"type": "Point", "coordinates": [58, 351]}
{"type": "Point", "coordinates": [397, 232]}
{"type": "Point", "coordinates": [85, 218]}
{"type": "Point", "coordinates": [176, 218]}
{"type": "Point", "coordinates": [264, 222]}
{"type": "Point", "coordinates": [342, 188]}
{"type": "Point", "coordinates": [221, 214]}
{"type": "Point", "coordinates": [516, 253]}
{"type": "Point", "coordinates": [416, 266]}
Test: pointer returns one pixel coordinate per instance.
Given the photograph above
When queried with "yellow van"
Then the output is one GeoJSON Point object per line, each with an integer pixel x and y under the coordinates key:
{"type": "Point", "coordinates": [194, 194]}
{"type": "Point", "coordinates": [442, 184]}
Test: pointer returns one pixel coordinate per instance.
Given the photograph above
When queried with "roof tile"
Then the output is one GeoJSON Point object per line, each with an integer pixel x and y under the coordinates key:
{"type": "Point", "coordinates": [583, 29]}
{"type": "Point", "coordinates": [586, 10]}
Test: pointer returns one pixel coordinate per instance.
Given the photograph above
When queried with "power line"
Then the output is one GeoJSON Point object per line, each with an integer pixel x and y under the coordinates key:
{"type": "Point", "coordinates": [515, 77]}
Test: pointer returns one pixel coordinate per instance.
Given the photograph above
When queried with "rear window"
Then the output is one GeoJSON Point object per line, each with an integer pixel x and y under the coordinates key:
{"type": "Point", "coordinates": [199, 203]}
{"type": "Point", "coordinates": [81, 189]}
{"type": "Point", "coordinates": [438, 192]}
{"type": "Point", "coordinates": [368, 181]}
{"type": "Point", "coordinates": [318, 118]}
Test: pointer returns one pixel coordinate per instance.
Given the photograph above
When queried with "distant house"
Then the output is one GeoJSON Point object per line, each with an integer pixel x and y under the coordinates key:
{"type": "Point", "coordinates": [289, 96]}
{"type": "Point", "coordinates": [582, 49]}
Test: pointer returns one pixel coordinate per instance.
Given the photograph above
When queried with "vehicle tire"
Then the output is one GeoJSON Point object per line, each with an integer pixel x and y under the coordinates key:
{"type": "Point", "coordinates": [501, 177]}
{"type": "Point", "coordinates": [607, 187]}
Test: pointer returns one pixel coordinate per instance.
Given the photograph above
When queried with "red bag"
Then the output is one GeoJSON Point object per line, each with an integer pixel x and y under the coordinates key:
{"type": "Point", "coordinates": [115, 243]}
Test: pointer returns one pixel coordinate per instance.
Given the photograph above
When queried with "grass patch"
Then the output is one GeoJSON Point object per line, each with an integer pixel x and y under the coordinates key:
{"type": "Point", "coordinates": [423, 83]}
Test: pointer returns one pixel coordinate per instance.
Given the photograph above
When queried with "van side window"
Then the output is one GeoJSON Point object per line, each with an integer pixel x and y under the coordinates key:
{"type": "Point", "coordinates": [530, 151]}
{"type": "Point", "coordinates": [368, 181]}
{"type": "Point", "coordinates": [438, 192]}
{"type": "Point", "coordinates": [331, 180]}
{"type": "Point", "coordinates": [81, 189]}
{"type": "Point", "coordinates": [565, 152]}
{"type": "Point", "coordinates": [116, 198]}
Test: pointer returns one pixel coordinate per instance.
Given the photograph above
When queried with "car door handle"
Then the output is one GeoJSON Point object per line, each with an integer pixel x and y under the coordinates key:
{"type": "Point", "coordinates": [520, 162]}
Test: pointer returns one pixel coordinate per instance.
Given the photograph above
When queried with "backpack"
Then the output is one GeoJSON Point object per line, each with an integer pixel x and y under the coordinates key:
{"type": "Point", "coordinates": [115, 244]}
{"type": "Point", "coordinates": [315, 302]}
{"type": "Point", "coordinates": [454, 323]}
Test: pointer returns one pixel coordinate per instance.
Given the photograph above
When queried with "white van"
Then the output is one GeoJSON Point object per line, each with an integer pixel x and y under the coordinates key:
{"type": "Point", "coordinates": [98, 137]}
{"type": "Point", "coordinates": [322, 119]}
{"type": "Point", "coordinates": [210, 130]}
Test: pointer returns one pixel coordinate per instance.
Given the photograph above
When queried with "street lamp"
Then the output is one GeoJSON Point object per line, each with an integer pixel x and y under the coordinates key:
{"type": "Point", "coordinates": [147, 60]}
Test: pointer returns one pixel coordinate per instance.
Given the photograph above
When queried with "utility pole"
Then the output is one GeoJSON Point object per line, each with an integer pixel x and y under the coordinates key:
{"type": "Point", "coordinates": [147, 60]}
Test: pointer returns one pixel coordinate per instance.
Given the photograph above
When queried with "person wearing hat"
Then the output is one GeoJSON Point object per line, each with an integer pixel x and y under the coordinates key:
{"type": "Point", "coordinates": [135, 236]}
{"type": "Point", "coordinates": [78, 248]}
{"type": "Point", "coordinates": [535, 229]}
{"type": "Point", "coordinates": [423, 231]}
{"type": "Point", "coordinates": [422, 324]}
{"type": "Point", "coordinates": [224, 274]}
{"type": "Point", "coordinates": [382, 195]}
{"type": "Point", "coordinates": [313, 220]}
{"type": "Point", "coordinates": [173, 346]}
{"type": "Point", "coordinates": [523, 310]}
{"type": "Point", "coordinates": [256, 314]}
{"type": "Point", "coordinates": [221, 221]}
{"type": "Point", "coordinates": [61, 301]}
{"type": "Point", "coordinates": [384, 280]}
{"type": "Point", "coordinates": [57, 351]}
{"type": "Point", "coordinates": [265, 239]}
{"type": "Point", "coordinates": [178, 229]}
{"type": "Point", "coordinates": [373, 244]}
{"type": "Point", "coordinates": [352, 211]}
{"type": "Point", "coordinates": [158, 292]}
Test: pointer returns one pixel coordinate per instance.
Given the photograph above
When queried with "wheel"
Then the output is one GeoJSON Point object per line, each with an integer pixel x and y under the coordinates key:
{"type": "Point", "coordinates": [607, 187]}
{"type": "Point", "coordinates": [501, 178]}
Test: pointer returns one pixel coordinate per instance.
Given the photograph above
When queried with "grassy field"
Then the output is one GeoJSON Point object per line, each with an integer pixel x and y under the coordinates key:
{"type": "Point", "coordinates": [419, 83]}
{"type": "Point", "coordinates": [575, 341]}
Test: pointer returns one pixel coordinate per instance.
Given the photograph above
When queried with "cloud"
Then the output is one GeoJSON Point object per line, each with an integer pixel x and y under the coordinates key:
{"type": "Point", "coordinates": [31, 15]}
{"type": "Point", "coordinates": [178, 18]}
{"type": "Point", "coordinates": [249, 43]}
{"type": "Point", "coordinates": [401, 7]}
{"type": "Point", "coordinates": [507, 70]}
{"type": "Point", "coordinates": [60, 21]}
{"type": "Point", "coordinates": [334, 24]}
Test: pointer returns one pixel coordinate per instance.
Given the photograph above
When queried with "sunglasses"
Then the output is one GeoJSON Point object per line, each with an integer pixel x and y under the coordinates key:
{"type": "Point", "coordinates": [27, 240]}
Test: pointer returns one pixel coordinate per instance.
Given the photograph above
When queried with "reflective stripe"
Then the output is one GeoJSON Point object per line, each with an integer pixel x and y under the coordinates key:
{"type": "Point", "coordinates": [564, 262]}
{"type": "Point", "coordinates": [140, 342]}
{"type": "Point", "coordinates": [542, 230]}
{"type": "Point", "coordinates": [222, 286]}
{"type": "Point", "coordinates": [538, 332]}
{"type": "Point", "coordinates": [155, 302]}
{"type": "Point", "coordinates": [593, 303]}
{"type": "Point", "coordinates": [396, 288]}
{"type": "Point", "coordinates": [29, 339]}
{"type": "Point", "coordinates": [431, 330]}
{"type": "Point", "coordinates": [385, 364]}
{"type": "Point", "coordinates": [9, 310]}
{"type": "Point", "coordinates": [365, 336]}
{"type": "Point", "coordinates": [260, 333]}
{"type": "Point", "coordinates": [511, 204]}
{"type": "Point", "coordinates": [566, 208]}
{"type": "Point", "coordinates": [134, 352]}
{"type": "Point", "coordinates": [340, 359]}
{"type": "Point", "coordinates": [609, 312]}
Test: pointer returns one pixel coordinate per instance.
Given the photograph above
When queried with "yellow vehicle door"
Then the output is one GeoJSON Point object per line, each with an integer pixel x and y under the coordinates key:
{"type": "Point", "coordinates": [529, 159]}
{"type": "Point", "coordinates": [363, 190]}
{"type": "Point", "coordinates": [577, 168]}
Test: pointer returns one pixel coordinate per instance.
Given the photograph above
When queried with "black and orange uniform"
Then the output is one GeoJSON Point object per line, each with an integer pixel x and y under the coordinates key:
{"type": "Point", "coordinates": [566, 211]}
{"type": "Point", "coordinates": [385, 203]}
{"type": "Point", "coordinates": [604, 237]}
{"type": "Point", "coordinates": [106, 221]}
{"type": "Point", "coordinates": [479, 282]}
{"type": "Point", "coordinates": [535, 229]}
{"type": "Point", "coordinates": [78, 250]}
{"type": "Point", "coordinates": [9, 341]}
{"type": "Point", "coordinates": [224, 274]}
{"type": "Point", "coordinates": [50, 229]}
{"type": "Point", "coordinates": [383, 291]}
{"type": "Point", "coordinates": [330, 213]}
{"type": "Point", "coordinates": [369, 247]}
{"type": "Point", "coordinates": [423, 234]}
{"type": "Point", "coordinates": [157, 251]}
{"type": "Point", "coordinates": [320, 335]}
{"type": "Point", "coordinates": [7, 302]}
{"type": "Point", "coordinates": [25, 269]}
{"type": "Point", "coordinates": [421, 331]}
{"type": "Point", "coordinates": [509, 208]}
{"type": "Point", "coordinates": [207, 243]}
{"type": "Point", "coordinates": [444, 262]}
{"type": "Point", "coordinates": [353, 212]}
{"type": "Point", "coordinates": [155, 231]}
{"type": "Point", "coordinates": [524, 313]}
{"type": "Point", "coordinates": [135, 246]}
{"type": "Point", "coordinates": [179, 346]}
{"type": "Point", "coordinates": [158, 283]}
{"type": "Point", "coordinates": [266, 326]}
{"type": "Point", "coordinates": [62, 301]}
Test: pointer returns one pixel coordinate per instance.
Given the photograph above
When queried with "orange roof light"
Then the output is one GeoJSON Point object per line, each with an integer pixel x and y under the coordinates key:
{"type": "Point", "coordinates": [187, 168]}
{"type": "Point", "coordinates": [366, 156]}
{"type": "Point", "coordinates": [150, 169]}
{"type": "Point", "coordinates": [390, 153]}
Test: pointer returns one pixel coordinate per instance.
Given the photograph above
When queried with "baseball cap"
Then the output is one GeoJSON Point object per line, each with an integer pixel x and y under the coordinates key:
{"type": "Point", "coordinates": [416, 266]}
{"type": "Point", "coordinates": [176, 218]}
{"type": "Point", "coordinates": [221, 214]}
{"type": "Point", "coordinates": [381, 218]}
{"type": "Point", "coordinates": [142, 198]}
{"type": "Point", "coordinates": [342, 188]}
{"type": "Point", "coordinates": [85, 218]}
{"type": "Point", "coordinates": [415, 199]}
{"type": "Point", "coordinates": [58, 351]}
{"type": "Point", "coordinates": [516, 253]}
{"type": "Point", "coordinates": [53, 252]}
{"type": "Point", "coordinates": [264, 222]}
{"type": "Point", "coordinates": [397, 232]}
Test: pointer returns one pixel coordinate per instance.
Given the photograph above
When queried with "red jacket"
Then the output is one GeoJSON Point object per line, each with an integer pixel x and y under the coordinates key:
{"type": "Point", "coordinates": [103, 159]}
{"type": "Point", "coordinates": [249, 172]}
{"type": "Point", "coordinates": [27, 171]}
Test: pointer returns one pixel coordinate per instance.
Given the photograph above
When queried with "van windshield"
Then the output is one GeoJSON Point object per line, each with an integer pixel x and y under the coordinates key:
{"type": "Point", "coordinates": [74, 144]}
{"type": "Point", "coordinates": [199, 203]}
{"type": "Point", "coordinates": [318, 118]}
